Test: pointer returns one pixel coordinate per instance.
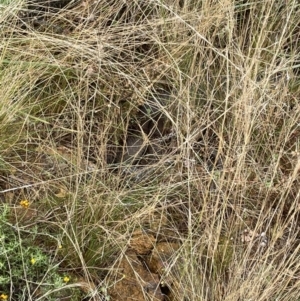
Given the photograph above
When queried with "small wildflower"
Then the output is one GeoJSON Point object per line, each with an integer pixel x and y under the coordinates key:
{"type": "Point", "coordinates": [33, 261]}
{"type": "Point", "coordinates": [25, 203]}
{"type": "Point", "coordinates": [66, 279]}
{"type": "Point", "coordinates": [3, 297]}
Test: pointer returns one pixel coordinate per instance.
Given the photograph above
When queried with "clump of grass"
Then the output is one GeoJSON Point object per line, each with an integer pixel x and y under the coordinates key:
{"type": "Point", "coordinates": [213, 165]}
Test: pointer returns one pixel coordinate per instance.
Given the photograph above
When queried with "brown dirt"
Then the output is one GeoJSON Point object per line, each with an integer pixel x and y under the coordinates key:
{"type": "Point", "coordinates": [140, 271]}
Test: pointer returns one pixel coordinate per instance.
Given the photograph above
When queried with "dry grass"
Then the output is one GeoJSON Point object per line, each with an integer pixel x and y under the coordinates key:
{"type": "Point", "coordinates": [178, 118]}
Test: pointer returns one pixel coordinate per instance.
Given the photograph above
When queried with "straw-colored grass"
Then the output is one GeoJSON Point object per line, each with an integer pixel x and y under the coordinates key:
{"type": "Point", "coordinates": [178, 119]}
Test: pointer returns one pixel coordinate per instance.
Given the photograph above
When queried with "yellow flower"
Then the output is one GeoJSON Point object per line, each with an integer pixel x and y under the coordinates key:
{"type": "Point", "coordinates": [60, 247]}
{"type": "Point", "coordinates": [3, 297]}
{"type": "Point", "coordinates": [25, 203]}
{"type": "Point", "coordinates": [66, 279]}
{"type": "Point", "coordinates": [33, 261]}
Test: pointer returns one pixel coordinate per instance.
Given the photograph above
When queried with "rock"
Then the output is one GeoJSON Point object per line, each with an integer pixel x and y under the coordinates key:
{"type": "Point", "coordinates": [134, 147]}
{"type": "Point", "coordinates": [158, 262]}
{"type": "Point", "coordinates": [142, 243]}
{"type": "Point", "coordinates": [134, 281]}
{"type": "Point", "coordinates": [160, 257]}
{"type": "Point", "coordinates": [141, 273]}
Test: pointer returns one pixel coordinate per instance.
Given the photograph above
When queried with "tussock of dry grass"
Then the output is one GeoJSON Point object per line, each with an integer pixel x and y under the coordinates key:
{"type": "Point", "coordinates": [204, 94]}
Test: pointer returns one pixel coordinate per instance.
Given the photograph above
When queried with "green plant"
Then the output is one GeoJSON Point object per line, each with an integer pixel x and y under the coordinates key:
{"type": "Point", "coordinates": [26, 270]}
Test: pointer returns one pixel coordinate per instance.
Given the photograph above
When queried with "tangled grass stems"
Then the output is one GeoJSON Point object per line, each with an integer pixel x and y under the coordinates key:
{"type": "Point", "coordinates": [152, 134]}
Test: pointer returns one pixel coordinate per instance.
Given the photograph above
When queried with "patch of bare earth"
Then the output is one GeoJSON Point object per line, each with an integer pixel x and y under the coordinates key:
{"type": "Point", "coordinates": [139, 275]}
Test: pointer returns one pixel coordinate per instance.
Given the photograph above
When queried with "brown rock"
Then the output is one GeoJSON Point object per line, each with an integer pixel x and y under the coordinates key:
{"type": "Point", "coordinates": [141, 242]}
{"type": "Point", "coordinates": [160, 256]}
{"type": "Point", "coordinates": [134, 281]}
{"type": "Point", "coordinates": [158, 262]}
